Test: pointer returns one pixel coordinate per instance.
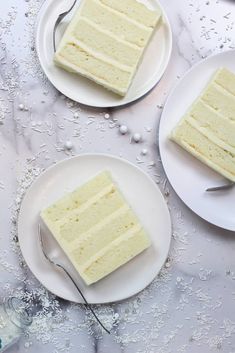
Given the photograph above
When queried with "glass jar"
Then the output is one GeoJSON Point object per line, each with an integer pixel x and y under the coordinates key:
{"type": "Point", "coordinates": [14, 320]}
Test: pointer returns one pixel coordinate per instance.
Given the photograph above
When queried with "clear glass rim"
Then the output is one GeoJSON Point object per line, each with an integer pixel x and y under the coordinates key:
{"type": "Point", "coordinates": [17, 313]}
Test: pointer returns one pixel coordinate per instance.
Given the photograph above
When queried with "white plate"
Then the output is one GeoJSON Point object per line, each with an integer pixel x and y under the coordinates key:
{"type": "Point", "coordinates": [85, 91]}
{"type": "Point", "coordinates": [188, 176]}
{"type": "Point", "coordinates": [144, 197]}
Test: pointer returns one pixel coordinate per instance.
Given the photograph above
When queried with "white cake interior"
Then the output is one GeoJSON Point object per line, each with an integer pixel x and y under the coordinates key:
{"type": "Point", "coordinates": [96, 228]}
{"type": "Point", "coordinates": [105, 41]}
{"type": "Point", "coordinates": [207, 130]}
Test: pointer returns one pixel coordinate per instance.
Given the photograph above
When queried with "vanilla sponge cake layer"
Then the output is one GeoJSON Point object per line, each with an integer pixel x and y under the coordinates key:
{"type": "Point", "coordinates": [115, 22]}
{"type": "Point", "coordinates": [135, 10]}
{"type": "Point", "coordinates": [120, 250]}
{"type": "Point", "coordinates": [220, 99]}
{"type": "Point", "coordinates": [226, 79]}
{"type": "Point", "coordinates": [207, 130]}
{"type": "Point", "coordinates": [105, 42]}
{"type": "Point", "coordinates": [93, 67]}
{"type": "Point", "coordinates": [108, 45]}
{"type": "Point", "coordinates": [214, 122]}
{"type": "Point", "coordinates": [78, 197]}
{"type": "Point", "coordinates": [90, 229]}
{"type": "Point", "coordinates": [83, 217]}
{"type": "Point", "coordinates": [105, 231]}
{"type": "Point", "coordinates": [80, 222]}
{"type": "Point", "coordinates": [206, 150]}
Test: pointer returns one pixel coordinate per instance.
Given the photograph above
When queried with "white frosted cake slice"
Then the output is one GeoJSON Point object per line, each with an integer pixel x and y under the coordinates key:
{"type": "Point", "coordinates": [207, 130]}
{"type": "Point", "coordinates": [96, 228]}
{"type": "Point", "coordinates": [105, 41]}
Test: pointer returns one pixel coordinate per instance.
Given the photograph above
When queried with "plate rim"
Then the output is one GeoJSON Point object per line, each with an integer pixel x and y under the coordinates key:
{"type": "Point", "coordinates": [125, 161]}
{"type": "Point", "coordinates": [164, 118]}
{"type": "Point", "coordinates": [120, 103]}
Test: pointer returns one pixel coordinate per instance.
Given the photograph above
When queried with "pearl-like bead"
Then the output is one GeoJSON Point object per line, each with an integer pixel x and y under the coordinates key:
{"type": "Point", "coordinates": [123, 129]}
{"type": "Point", "coordinates": [21, 106]}
{"type": "Point", "coordinates": [144, 151]}
{"type": "Point", "coordinates": [137, 137]}
{"type": "Point", "coordinates": [107, 116]}
{"type": "Point", "coordinates": [68, 145]}
{"type": "Point", "coordinates": [75, 115]}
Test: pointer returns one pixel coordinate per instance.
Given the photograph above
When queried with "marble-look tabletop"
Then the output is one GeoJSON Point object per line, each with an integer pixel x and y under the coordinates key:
{"type": "Point", "coordinates": [190, 307]}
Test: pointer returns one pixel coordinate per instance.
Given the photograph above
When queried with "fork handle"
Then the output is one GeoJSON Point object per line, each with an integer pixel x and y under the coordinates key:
{"type": "Point", "coordinates": [82, 295]}
{"type": "Point", "coordinates": [59, 19]}
{"type": "Point", "coordinates": [222, 187]}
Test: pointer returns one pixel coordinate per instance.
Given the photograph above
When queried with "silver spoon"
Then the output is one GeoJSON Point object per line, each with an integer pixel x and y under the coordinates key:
{"type": "Point", "coordinates": [59, 19]}
{"type": "Point", "coordinates": [56, 264]}
{"type": "Point", "coordinates": [221, 187]}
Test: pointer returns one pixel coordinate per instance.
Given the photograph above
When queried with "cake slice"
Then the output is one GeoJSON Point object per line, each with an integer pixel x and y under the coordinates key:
{"type": "Point", "coordinates": [105, 41]}
{"type": "Point", "coordinates": [207, 130]}
{"type": "Point", "coordinates": [96, 228]}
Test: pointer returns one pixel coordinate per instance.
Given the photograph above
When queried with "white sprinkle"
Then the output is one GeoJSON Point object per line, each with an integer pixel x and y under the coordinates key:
{"type": "Point", "coordinates": [123, 129]}
{"type": "Point", "coordinates": [107, 116]}
{"type": "Point", "coordinates": [137, 137]}
{"type": "Point", "coordinates": [68, 145]}
{"type": "Point", "coordinates": [167, 193]}
{"type": "Point", "coordinates": [139, 160]}
{"type": "Point", "coordinates": [167, 264]}
{"type": "Point", "coordinates": [76, 115]}
{"type": "Point", "coordinates": [116, 316]}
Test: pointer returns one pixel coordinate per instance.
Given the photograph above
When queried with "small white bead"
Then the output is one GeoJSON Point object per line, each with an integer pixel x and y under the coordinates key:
{"type": "Point", "coordinates": [107, 116]}
{"type": "Point", "coordinates": [137, 137]}
{"type": "Point", "coordinates": [167, 264]}
{"type": "Point", "coordinates": [116, 316]}
{"type": "Point", "coordinates": [75, 115]}
{"type": "Point", "coordinates": [21, 106]}
{"type": "Point", "coordinates": [27, 344]}
{"type": "Point", "coordinates": [123, 129]}
{"type": "Point", "coordinates": [144, 151]}
{"type": "Point", "coordinates": [68, 145]}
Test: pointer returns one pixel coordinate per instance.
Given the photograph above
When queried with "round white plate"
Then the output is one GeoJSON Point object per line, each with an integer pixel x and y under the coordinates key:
{"type": "Point", "coordinates": [144, 197]}
{"type": "Point", "coordinates": [188, 176]}
{"type": "Point", "coordinates": [85, 91]}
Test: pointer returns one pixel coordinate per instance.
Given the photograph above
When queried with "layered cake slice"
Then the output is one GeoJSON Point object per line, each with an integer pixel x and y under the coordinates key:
{"type": "Point", "coordinates": [105, 41]}
{"type": "Point", "coordinates": [207, 130]}
{"type": "Point", "coordinates": [96, 228]}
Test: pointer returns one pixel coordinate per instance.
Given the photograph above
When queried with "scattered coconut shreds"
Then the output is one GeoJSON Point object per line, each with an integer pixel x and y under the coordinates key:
{"type": "Point", "coordinates": [140, 320]}
{"type": "Point", "coordinates": [142, 324]}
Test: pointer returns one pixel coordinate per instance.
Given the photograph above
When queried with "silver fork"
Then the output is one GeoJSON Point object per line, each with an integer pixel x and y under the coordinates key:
{"type": "Point", "coordinates": [221, 187]}
{"type": "Point", "coordinates": [56, 264]}
{"type": "Point", "coordinates": [59, 19]}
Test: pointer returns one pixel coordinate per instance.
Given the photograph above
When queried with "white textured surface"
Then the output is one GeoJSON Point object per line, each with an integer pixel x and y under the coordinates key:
{"type": "Point", "coordinates": [190, 307]}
